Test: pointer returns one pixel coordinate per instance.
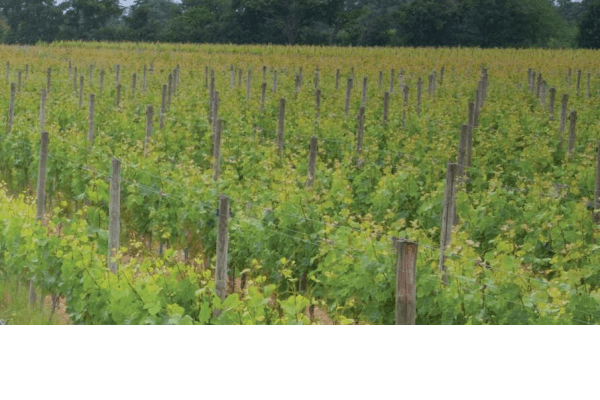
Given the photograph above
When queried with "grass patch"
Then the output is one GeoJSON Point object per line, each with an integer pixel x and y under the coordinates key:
{"type": "Point", "coordinates": [15, 308]}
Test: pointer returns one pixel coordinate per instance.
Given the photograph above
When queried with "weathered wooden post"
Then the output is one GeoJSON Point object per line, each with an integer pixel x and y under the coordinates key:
{"type": "Point", "coordinates": [447, 216]}
{"type": "Point", "coordinates": [263, 94]}
{"type": "Point", "coordinates": [337, 79]}
{"type": "Point", "coordinates": [406, 283]}
{"type": "Point", "coordinates": [348, 93]}
{"type": "Point", "coordinates": [552, 102]}
{"type": "Point", "coordinates": [102, 73]}
{"type": "Point", "coordinates": [48, 80]}
{"type": "Point", "coordinates": [572, 125]}
{"type": "Point", "coordinates": [114, 216]}
{"type": "Point", "coordinates": [359, 136]}
{"type": "Point", "coordinates": [133, 83]}
{"type": "Point", "coordinates": [217, 149]}
{"type": "Point", "coordinates": [80, 92]}
{"type": "Point", "coordinates": [392, 74]}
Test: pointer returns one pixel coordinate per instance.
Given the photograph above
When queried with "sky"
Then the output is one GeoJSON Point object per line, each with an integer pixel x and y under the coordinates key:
{"type": "Point", "coordinates": [124, 3]}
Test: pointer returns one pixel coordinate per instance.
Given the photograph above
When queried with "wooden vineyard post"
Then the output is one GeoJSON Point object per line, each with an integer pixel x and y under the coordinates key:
{"type": "Point", "coordinates": [144, 78]}
{"type": "Point", "coordinates": [102, 73]}
{"type": "Point", "coordinates": [552, 102]}
{"type": "Point", "coordinates": [476, 111]}
{"type": "Point", "coordinates": [211, 99]}
{"type": "Point", "coordinates": [572, 125]}
{"type": "Point", "coordinates": [215, 111]}
{"type": "Point", "coordinates": [462, 152]}
{"type": "Point", "coordinates": [312, 160]}
{"type": "Point", "coordinates": [149, 119]}
{"type": "Point", "coordinates": [461, 162]}
{"type": "Point", "coordinates": [41, 184]}
{"type": "Point", "coordinates": [578, 81]}
{"type": "Point", "coordinates": [206, 77]}
{"type": "Point", "coordinates": [316, 81]}
{"type": "Point", "coordinates": [348, 93]}
{"type": "Point", "coordinates": [447, 217]}
{"type": "Point", "coordinates": [337, 79]}
{"type": "Point", "coordinates": [386, 107]}
{"type": "Point", "coordinates": [42, 110]}
{"type": "Point", "coordinates": [239, 77]}
{"type": "Point", "coordinates": [222, 250]}
{"type": "Point", "coordinates": [569, 79]}
{"type": "Point", "coordinates": [597, 191]}
{"type": "Point", "coordinates": [380, 80]}
{"type": "Point", "coordinates": [359, 136]}
{"type": "Point", "coordinates": [118, 99]}
{"type": "Point", "coordinates": [11, 107]}
{"type": "Point", "coordinates": [563, 113]}
{"type": "Point", "coordinates": [264, 73]}
{"type": "Point", "coordinates": [280, 126]}
{"type": "Point", "coordinates": [318, 104]}
{"type": "Point", "coordinates": [274, 88]}
{"type": "Point", "coordinates": [406, 288]}
{"type": "Point", "coordinates": [48, 80]}
{"type": "Point", "coordinates": [114, 216]}
{"type": "Point", "coordinates": [231, 77]}
{"type": "Point", "coordinates": [430, 85]}
{"type": "Point", "coordinates": [217, 150]}
{"type": "Point", "coordinates": [163, 106]}
{"type": "Point", "coordinates": [90, 136]}
{"type": "Point", "coordinates": [19, 82]}
{"type": "Point", "coordinates": [80, 92]}
{"type": "Point", "coordinates": [263, 94]}
{"type": "Point", "coordinates": [392, 73]}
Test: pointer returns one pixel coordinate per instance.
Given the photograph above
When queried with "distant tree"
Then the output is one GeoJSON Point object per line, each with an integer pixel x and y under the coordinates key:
{"type": "Point", "coordinates": [148, 19]}
{"type": "Point", "coordinates": [83, 18]}
{"type": "Point", "coordinates": [428, 23]}
{"type": "Point", "coordinates": [30, 21]}
{"type": "Point", "coordinates": [589, 28]}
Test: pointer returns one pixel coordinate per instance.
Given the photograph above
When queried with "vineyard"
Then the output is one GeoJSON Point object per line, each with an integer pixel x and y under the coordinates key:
{"type": "Point", "coordinates": [185, 184]}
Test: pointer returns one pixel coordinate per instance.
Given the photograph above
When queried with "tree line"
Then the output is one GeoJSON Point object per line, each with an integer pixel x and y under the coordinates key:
{"type": "Point", "coordinates": [483, 23]}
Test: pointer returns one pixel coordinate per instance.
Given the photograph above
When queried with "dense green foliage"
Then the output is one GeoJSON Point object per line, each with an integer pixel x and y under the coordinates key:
{"type": "Point", "coordinates": [589, 29]}
{"type": "Point", "coordinates": [484, 23]}
{"type": "Point", "coordinates": [524, 251]}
